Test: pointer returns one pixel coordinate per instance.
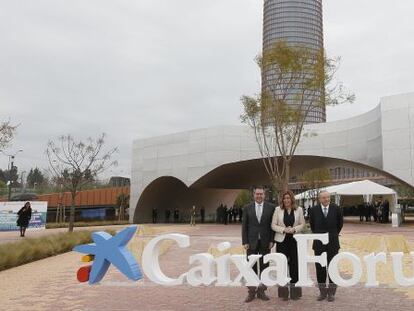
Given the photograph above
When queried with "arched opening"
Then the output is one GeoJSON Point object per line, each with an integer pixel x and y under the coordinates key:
{"type": "Point", "coordinates": [168, 195]}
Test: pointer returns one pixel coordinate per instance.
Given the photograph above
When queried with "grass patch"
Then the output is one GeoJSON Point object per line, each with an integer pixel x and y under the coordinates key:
{"type": "Point", "coordinates": [18, 253]}
{"type": "Point", "coordinates": [54, 225]}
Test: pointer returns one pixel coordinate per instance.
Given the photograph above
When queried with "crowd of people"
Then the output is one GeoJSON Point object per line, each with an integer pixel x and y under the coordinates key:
{"type": "Point", "coordinates": [378, 211]}
{"type": "Point", "coordinates": [177, 217]}
{"type": "Point", "coordinates": [225, 215]}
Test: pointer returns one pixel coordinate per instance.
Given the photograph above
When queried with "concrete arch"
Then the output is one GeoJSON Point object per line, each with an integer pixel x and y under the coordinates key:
{"type": "Point", "coordinates": [157, 195]}
{"type": "Point", "coordinates": [243, 174]}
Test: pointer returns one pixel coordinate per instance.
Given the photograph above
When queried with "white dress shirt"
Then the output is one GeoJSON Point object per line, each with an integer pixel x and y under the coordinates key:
{"type": "Point", "coordinates": [259, 212]}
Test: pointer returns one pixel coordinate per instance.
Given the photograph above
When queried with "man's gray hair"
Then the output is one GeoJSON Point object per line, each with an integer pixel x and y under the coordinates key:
{"type": "Point", "coordinates": [323, 191]}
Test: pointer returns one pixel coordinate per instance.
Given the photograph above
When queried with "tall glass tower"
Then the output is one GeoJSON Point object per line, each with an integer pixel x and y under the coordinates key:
{"type": "Point", "coordinates": [297, 22]}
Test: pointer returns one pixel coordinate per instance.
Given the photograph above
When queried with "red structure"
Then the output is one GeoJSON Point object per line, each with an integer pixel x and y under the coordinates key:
{"type": "Point", "coordinates": [86, 198]}
{"type": "Point", "coordinates": [95, 204]}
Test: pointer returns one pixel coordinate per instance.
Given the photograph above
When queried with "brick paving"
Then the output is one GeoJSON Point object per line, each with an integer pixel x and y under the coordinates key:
{"type": "Point", "coordinates": [51, 284]}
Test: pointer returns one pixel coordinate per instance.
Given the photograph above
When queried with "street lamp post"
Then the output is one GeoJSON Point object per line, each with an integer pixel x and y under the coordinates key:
{"type": "Point", "coordinates": [22, 181]}
{"type": "Point", "coordinates": [11, 168]}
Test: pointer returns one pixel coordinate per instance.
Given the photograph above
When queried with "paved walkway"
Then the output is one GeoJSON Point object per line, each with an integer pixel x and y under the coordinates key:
{"type": "Point", "coordinates": [51, 284]}
{"type": "Point", "coordinates": [14, 236]}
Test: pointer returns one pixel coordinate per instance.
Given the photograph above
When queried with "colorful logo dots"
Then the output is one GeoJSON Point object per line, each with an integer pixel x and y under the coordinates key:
{"type": "Point", "coordinates": [83, 274]}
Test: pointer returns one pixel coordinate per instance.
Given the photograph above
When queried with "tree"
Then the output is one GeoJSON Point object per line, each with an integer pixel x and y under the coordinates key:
{"type": "Point", "coordinates": [35, 176]}
{"type": "Point", "coordinates": [243, 198]}
{"type": "Point", "coordinates": [7, 132]}
{"type": "Point", "coordinates": [10, 175]}
{"type": "Point", "coordinates": [315, 180]}
{"type": "Point", "coordinates": [296, 81]}
{"type": "Point", "coordinates": [3, 186]}
{"type": "Point", "coordinates": [75, 164]}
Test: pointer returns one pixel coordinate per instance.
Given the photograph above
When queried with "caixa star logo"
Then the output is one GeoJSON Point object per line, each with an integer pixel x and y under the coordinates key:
{"type": "Point", "coordinates": [107, 250]}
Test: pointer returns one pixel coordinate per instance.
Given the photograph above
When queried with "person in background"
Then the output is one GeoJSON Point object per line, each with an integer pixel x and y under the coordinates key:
{"type": "Point", "coordinates": [386, 212]}
{"type": "Point", "coordinates": [375, 211]}
{"type": "Point", "coordinates": [154, 215]}
{"type": "Point", "coordinates": [225, 215]}
{"type": "Point", "coordinates": [202, 214]}
{"type": "Point", "coordinates": [368, 211]}
{"type": "Point", "coordinates": [230, 214]}
{"type": "Point", "coordinates": [288, 219]}
{"type": "Point", "coordinates": [24, 215]}
{"type": "Point", "coordinates": [380, 211]}
{"type": "Point", "coordinates": [176, 215]}
{"type": "Point", "coordinates": [193, 216]}
{"type": "Point", "coordinates": [235, 213]}
{"type": "Point", "coordinates": [361, 212]}
{"type": "Point", "coordinates": [240, 214]}
{"type": "Point", "coordinates": [167, 216]}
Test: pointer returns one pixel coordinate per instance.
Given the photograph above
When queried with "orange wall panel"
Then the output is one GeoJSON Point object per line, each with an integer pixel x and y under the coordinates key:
{"type": "Point", "coordinates": [104, 196]}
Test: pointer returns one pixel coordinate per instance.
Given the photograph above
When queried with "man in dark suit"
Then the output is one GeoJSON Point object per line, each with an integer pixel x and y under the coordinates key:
{"type": "Point", "coordinates": [326, 217]}
{"type": "Point", "coordinates": [258, 236]}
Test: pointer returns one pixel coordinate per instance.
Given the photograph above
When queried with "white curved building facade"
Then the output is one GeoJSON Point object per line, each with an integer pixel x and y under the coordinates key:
{"type": "Point", "coordinates": [206, 167]}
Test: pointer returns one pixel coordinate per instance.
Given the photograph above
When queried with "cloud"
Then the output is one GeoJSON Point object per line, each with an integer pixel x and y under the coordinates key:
{"type": "Point", "coordinates": [141, 68]}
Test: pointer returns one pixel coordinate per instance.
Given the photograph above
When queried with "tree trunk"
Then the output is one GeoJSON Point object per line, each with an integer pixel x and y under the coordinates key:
{"type": "Point", "coordinates": [287, 176]}
{"type": "Point", "coordinates": [72, 213]}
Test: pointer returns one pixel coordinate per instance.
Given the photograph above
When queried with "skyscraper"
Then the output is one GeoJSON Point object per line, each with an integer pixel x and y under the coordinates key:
{"type": "Point", "coordinates": [297, 22]}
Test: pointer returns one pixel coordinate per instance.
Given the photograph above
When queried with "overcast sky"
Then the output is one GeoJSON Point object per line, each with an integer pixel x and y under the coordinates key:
{"type": "Point", "coordinates": [139, 68]}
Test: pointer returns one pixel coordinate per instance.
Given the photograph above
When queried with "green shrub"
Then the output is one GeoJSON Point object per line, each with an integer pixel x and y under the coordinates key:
{"type": "Point", "coordinates": [54, 225]}
{"type": "Point", "coordinates": [18, 253]}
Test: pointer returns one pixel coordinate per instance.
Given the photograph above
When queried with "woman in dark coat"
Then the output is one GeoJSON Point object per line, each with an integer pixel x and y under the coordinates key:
{"type": "Point", "coordinates": [25, 213]}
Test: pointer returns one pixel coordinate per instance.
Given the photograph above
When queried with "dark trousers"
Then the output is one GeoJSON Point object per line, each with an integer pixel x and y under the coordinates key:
{"type": "Point", "coordinates": [289, 248]}
{"type": "Point", "coordinates": [263, 250]}
{"type": "Point", "coordinates": [322, 272]}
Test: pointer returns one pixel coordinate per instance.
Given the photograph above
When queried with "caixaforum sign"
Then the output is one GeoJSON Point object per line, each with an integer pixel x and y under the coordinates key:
{"type": "Point", "coordinates": [204, 269]}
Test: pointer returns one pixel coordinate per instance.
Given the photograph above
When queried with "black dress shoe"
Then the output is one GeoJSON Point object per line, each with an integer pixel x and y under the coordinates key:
{"type": "Point", "coordinates": [322, 295]}
{"type": "Point", "coordinates": [323, 292]}
{"type": "Point", "coordinates": [331, 298]}
{"type": "Point", "coordinates": [262, 296]}
{"type": "Point", "coordinates": [283, 292]}
{"type": "Point", "coordinates": [295, 292]}
{"type": "Point", "coordinates": [250, 297]}
{"type": "Point", "coordinates": [320, 298]}
{"type": "Point", "coordinates": [252, 294]}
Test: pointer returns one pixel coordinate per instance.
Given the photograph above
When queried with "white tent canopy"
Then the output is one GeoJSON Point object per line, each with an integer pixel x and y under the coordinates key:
{"type": "Point", "coordinates": [353, 193]}
{"type": "Point", "coordinates": [364, 187]}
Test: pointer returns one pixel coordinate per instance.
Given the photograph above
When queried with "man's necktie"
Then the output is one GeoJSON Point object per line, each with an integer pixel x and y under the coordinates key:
{"type": "Point", "coordinates": [325, 211]}
{"type": "Point", "coordinates": [259, 212]}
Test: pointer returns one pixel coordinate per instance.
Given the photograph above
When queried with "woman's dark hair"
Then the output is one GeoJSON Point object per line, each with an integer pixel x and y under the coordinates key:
{"type": "Point", "coordinates": [292, 200]}
{"type": "Point", "coordinates": [27, 204]}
